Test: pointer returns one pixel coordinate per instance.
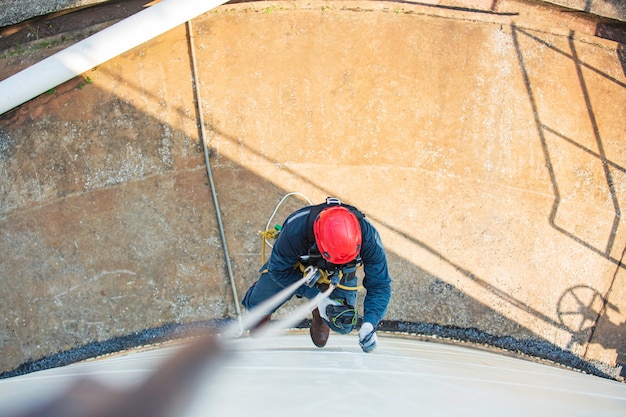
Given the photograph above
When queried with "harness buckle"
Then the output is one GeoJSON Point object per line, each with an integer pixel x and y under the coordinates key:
{"type": "Point", "coordinates": [312, 274]}
{"type": "Point", "coordinates": [333, 201]}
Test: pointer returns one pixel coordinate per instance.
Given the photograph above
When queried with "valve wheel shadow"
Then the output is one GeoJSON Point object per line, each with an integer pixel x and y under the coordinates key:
{"type": "Point", "coordinates": [579, 310]}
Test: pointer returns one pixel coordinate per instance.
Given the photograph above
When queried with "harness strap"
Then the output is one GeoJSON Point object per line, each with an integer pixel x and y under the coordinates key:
{"type": "Point", "coordinates": [325, 278]}
{"type": "Point", "coordinates": [312, 214]}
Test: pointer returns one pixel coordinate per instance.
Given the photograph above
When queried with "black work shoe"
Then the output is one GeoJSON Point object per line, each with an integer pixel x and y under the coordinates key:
{"type": "Point", "coordinates": [319, 330]}
{"type": "Point", "coordinates": [261, 326]}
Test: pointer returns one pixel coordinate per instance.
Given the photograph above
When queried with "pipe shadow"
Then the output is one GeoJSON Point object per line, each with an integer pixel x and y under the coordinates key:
{"type": "Point", "coordinates": [621, 54]}
{"type": "Point", "coordinates": [618, 7]}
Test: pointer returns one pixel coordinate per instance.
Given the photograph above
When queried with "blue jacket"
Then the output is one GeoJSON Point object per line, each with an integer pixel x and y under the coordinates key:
{"type": "Point", "coordinates": [292, 243]}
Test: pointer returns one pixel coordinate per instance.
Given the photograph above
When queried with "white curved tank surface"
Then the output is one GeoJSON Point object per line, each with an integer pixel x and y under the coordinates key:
{"type": "Point", "coordinates": [288, 376]}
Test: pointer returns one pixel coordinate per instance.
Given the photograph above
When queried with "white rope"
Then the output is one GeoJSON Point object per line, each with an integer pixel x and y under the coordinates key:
{"type": "Point", "coordinates": [253, 316]}
{"type": "Point", "coordinates": [296, 316]}
{"type": "Point", "coordinates": [269, 221]}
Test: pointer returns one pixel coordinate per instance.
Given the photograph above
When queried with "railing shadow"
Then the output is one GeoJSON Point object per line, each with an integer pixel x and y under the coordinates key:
{"type": "Point", "coordinates": [580, 308]}
{"type": "Point", "coordinates": [599, 154]}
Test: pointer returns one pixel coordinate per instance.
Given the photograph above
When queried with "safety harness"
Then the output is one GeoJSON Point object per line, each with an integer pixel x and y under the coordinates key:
{"type": "Point", "coordinates": [342, 317]}
{"type": "Point", "coordinates": [328, 273]}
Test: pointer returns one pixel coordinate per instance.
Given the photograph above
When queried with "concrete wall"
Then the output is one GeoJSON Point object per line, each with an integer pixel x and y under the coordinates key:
{"type": "Point", "coordinates": [487, 149]}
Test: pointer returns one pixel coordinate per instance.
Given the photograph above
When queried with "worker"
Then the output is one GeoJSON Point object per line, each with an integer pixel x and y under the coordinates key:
{"type": "Point", "coordinates": [328, 241]}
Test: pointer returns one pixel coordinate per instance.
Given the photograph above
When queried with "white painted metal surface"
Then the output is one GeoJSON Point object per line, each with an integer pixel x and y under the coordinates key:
{"type": "Point", "coordinates": [99, 48]}
{"type": "Point", "coordinates": [288, 376]}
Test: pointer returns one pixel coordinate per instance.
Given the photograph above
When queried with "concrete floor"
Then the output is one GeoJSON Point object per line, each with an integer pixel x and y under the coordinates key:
{"type": "Point", "coordinates": [278, 375]}
{"type": "Point", "coordinates": [486, 145]}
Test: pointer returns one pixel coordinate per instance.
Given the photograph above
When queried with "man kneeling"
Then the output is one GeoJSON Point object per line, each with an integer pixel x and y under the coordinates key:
{"type": "Point", "coordinates": [328, 242]}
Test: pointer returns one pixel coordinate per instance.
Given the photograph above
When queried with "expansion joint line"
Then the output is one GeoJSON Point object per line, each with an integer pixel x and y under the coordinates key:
{"type": "Point", "coordinates": [208, 169]}
{"type": "Point", "coordinates": [605, 300]}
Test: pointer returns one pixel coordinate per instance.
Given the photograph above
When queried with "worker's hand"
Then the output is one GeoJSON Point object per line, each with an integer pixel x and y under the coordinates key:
{"type": "Point", "coordinates": [321, 306]}
{"type": "Point", "coordinates": [367, 337]}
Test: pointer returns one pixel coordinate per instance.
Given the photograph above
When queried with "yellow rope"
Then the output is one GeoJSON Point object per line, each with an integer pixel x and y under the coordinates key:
{"type": "Point", "coordinates": [268, 234]}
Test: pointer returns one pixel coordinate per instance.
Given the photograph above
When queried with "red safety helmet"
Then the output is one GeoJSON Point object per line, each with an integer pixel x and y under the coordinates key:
{"type": "Point", "coordinates": [337, 234]}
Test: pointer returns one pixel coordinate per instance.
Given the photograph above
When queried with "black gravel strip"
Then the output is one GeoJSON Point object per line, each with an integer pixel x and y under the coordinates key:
{"type": "Point", "coordinates": [533, 349]}
{"type": "Point", "coordinates": [161, 334]}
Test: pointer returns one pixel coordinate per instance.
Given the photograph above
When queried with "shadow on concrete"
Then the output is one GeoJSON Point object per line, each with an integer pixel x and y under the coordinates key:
{"type": "Point", "coordinates": [618, 5]}
{"type": "Point", "coordinates": [621, 53]}
{"type": "Point", "coordinates": [490, 11]}
{"type": "Point", "coordinates": [612, 31]}
{"type": "Point", "coordinates": [589, 306]}
{"type": "Point", "coordinates": [532, 346]}
{"type": "Point", "coordinates": [453, 299]}
{"type": "Point", "coordinates": [581, 310]}
{"type": "Point", "coordinates": [599, 155]}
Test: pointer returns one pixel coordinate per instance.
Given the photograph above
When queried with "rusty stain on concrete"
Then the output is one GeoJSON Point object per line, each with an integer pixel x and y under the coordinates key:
{"type": "Point", "coordinates": [488, 148]}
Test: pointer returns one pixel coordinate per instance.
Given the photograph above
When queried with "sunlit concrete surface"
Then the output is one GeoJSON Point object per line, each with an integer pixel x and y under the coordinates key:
{"type": "Point", "coordinates": [287, 375]}
{"type": "Point", "coordinates": [486, 144]}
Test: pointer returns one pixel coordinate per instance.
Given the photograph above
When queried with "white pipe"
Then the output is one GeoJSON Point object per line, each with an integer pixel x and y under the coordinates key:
{"type": "Point", "coordinates": [98, 48]}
